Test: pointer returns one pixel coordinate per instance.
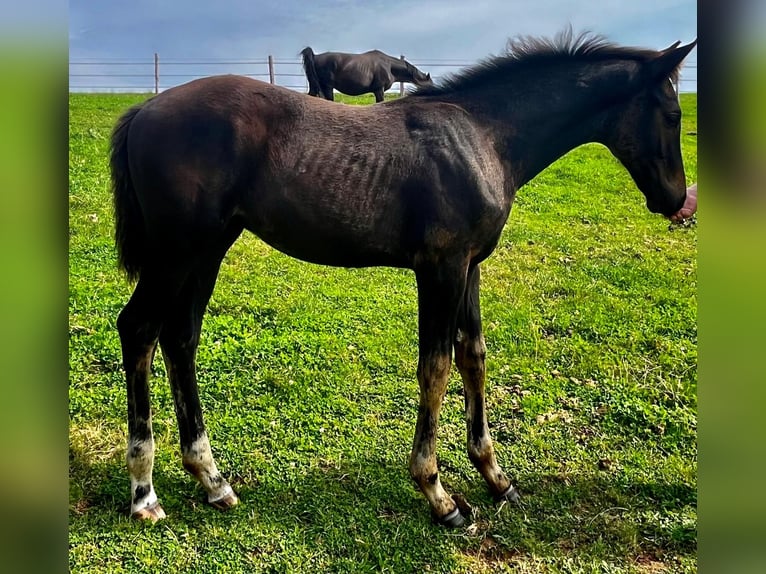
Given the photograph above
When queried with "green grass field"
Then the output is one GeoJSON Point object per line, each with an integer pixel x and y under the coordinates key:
{"type": "Point", "coordinates": [307, 377]}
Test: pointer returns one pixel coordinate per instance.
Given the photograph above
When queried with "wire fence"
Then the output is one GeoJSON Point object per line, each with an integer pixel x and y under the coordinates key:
{"type": "Point", "coordinates": [141, 75]}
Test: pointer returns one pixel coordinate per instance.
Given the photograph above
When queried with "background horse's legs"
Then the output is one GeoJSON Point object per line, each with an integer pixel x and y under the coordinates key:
{"type": "Point", "coordinates": [139, 325]}
{"type": "Point", "coordinates": [326, 82]}
{"type": "Point", "coordinates": [440, 289]}
{"type": "Point", "coordinates": [179, 340]}
{"type": "Point", "coordinates": [470, 352]}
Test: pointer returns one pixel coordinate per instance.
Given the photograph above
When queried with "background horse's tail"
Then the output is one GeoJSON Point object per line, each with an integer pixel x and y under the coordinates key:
{"type": "Point", "coordinates": [311, 72]}
{"type": "Point", "coordinates": [129, 222]}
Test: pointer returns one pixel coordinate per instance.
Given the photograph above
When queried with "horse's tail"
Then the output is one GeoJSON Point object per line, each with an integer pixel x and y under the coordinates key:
{"type": "Point", "coordinates": [129, 233]}
{"type": "Point", "coordinates": [311, 72]}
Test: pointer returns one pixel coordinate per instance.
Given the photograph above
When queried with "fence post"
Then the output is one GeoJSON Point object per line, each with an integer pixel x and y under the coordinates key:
{"type": "Point", "coordinates": [156, 73]}
{"type": "Point", "coordinates": [271, 69]}
{"type": "Point", "coordinates": [401, 84]}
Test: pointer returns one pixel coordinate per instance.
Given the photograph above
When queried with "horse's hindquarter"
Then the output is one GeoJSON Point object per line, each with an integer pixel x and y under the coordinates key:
{"type": "Point", "coordinates": [185, 150]}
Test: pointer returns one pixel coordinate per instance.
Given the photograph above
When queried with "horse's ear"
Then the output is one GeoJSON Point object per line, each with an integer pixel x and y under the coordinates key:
{"type": "Point", "coordinates": [672, 46]}
{"type": "Point", "coordinates": [428, 75]}
{"type": "Point", "coordinates": [668, 60]}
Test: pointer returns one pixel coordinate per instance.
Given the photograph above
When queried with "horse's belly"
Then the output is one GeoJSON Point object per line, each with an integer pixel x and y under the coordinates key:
{"type": "Point", "coordinates": [340, 237]}
{"type": "Point", "coordinates": [358, 88]}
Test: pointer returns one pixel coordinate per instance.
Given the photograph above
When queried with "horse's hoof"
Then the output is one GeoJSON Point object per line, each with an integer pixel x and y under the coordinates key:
{"type": "Point", "coordinates": [452, 520]}
{"type": "Point", "coordinates": [230, 500]}
{"type": "Point", "coordinates": [510, 495]}
{"type": "Point", "coordinates": [152, 512]}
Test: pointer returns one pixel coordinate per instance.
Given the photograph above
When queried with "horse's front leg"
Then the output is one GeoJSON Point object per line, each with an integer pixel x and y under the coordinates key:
{"type": "Point", "coordinates": [470, 352]}
{"type": "Point", "coordinates": [439, 293]}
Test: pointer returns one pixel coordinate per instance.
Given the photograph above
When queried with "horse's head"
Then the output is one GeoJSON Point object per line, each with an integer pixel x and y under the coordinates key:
{"type": "Point", "coordinates": [645, 132]}
{"type": "Point", "coordinates": [418, 77]}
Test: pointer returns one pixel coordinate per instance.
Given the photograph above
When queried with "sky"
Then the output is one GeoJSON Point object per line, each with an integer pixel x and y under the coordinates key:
{"type": "Point", "coordinates": [427, 32]}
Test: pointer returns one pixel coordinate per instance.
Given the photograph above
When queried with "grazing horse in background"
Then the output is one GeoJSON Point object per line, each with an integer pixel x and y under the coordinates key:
{"type": "Point", "coordinates": [356, 74]}
{"type": "Point", "coordinates": [424, 183]}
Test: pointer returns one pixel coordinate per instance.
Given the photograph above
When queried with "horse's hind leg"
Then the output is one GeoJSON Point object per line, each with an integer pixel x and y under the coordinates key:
{"type": "Point", "coordinates": [139, 325]}
{"type": "Point", "coordinates": [378, 95]}
{"type": "Point", "coordinates": [327, 92]}
{"type": "Point", "coordinates": [439, 292]}
{"type": "Point", "coordinates": [179, 340]}
{"type": "Point", "coordinates": [470, 352]}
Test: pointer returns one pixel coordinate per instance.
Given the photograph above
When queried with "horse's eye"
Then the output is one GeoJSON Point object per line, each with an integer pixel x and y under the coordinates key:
{"type": "Point", "coordinates": [673, 119]}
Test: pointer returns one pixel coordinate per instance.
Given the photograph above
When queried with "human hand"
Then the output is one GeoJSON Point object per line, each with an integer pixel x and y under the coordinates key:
{"type": "Point", "coordinates": [689, 207]}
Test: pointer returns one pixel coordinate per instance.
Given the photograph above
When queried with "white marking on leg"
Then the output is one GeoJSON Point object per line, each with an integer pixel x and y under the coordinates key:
{"type": "Point", "coordinates": [198, 460]}
{"type": "Point", "coordinates": [140, 459]}
{"type": "Point", "coordinates": [425, 468]}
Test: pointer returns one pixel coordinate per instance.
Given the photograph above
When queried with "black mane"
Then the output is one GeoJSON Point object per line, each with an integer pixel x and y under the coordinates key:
{"type": "Point", "coordinates": [526, 51]}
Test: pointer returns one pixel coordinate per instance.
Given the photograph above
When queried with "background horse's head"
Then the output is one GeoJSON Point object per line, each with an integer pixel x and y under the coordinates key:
{"type": "Point", "coordinates": [647, 138]}
{"type": "Point", "coordinates": [417, 77]}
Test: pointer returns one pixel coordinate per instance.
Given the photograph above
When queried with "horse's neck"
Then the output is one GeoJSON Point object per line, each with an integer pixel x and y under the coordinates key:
{"type": "Point", "coordinates": [533, 128]}
{"type": "Point", "coordinates": [535, 145]}
{"type": "Point", "coordinates": [399, 68]}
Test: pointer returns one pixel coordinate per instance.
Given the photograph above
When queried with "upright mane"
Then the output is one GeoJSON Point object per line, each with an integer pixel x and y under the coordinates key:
{"type": "Point", "coordinates": [527, 51]}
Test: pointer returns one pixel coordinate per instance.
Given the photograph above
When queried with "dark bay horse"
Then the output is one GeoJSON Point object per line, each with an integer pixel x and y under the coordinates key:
{"type": "Point", "coordinates": [356, 74]}
{"type": "Point", "coordinates": [424, 183]}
